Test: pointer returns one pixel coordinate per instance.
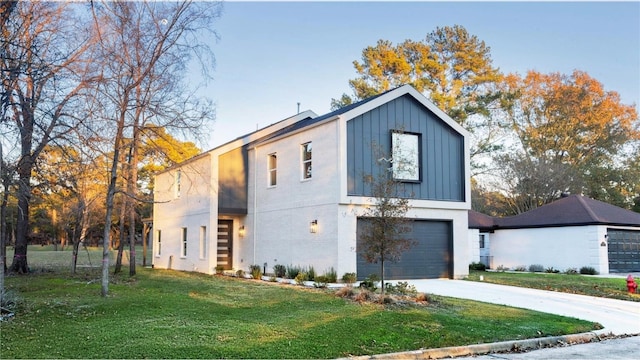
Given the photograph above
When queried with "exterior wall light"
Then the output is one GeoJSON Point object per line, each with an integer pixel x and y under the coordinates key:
{"type": "Point", "coordinates": [241, 231]}
{"type": "Point", "coordinates": [313, 227]}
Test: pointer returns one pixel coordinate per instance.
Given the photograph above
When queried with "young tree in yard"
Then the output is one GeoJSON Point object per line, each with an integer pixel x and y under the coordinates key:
{"type": "Point", "coordinates": [147, 47]}
{"type": "Point", "coordinates": [43, 77]}
{"type": "Point", "coordinates": [571, 136]}
{"type": "Point", "coordinates": [385, 222]}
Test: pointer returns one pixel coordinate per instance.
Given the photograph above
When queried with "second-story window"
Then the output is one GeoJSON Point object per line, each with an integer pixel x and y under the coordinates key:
{"type": "Point", "coordinates": [306, 161]}
{"type": "Point", "coordinates": [273, 169]}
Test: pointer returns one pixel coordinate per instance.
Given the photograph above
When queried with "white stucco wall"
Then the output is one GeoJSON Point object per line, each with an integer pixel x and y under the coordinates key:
{"type": "Point", "coordinates": [190, 209]}
{"type": "Point", "coordinates": [558, 247]}
{"type": "Point", "coordinates": [279, 217]}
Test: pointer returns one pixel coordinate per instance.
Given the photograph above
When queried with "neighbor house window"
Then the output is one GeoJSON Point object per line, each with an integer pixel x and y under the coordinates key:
{"type": "Point", "coordinates": [183, 250]}
{"type": "Point", "coordinates": [481, 241]}
{"type": "Point", "coordinates": [306, 160]}
{"type": "Point", "coordinates": [178, 179]}
{"type": "Point", "coordinates": [203, 242]}
{"type": "Point", "coordinates": [405, 152]}
{"type": "Point", "coordinates": [273, 169]}
{"type": "Point", "coordinates": [159, 236]}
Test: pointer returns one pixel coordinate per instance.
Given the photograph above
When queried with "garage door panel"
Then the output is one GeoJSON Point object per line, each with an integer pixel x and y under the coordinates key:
{"type": "Point", "coordinates": [623, 250]}
{"type": "Point", "coordinates": [430, 257]}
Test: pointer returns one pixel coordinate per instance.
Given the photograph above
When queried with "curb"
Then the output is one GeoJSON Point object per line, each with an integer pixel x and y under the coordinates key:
{"type": "Point", "coordinates": [483, 349]}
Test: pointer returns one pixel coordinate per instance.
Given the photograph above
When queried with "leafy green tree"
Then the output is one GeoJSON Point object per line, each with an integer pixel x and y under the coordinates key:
{"type": "Point", "coordinates": [451, 67]}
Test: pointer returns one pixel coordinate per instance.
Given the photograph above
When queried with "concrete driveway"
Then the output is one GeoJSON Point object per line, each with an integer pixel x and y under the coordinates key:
{"type": "Point", "coordinates": [617, 316]}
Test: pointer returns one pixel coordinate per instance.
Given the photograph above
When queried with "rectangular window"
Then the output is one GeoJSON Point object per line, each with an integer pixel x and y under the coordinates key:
{"type": "Point", "coordinates": [273, 169]}
{"type": "Point", "coordinates": [159, 243]}
{"type": "Point", "coordinates": [481, 241]}
{"type": "Point", "coordinates": [183, 250]}
{"type": "Point", "coordinates": [405, 152]}
{"type": "Point", "coordinates": [178, 179]}
{"type": "Point", "coordinates": [306, 161]}
{"type": "Point", "coordinates": [203, 242]}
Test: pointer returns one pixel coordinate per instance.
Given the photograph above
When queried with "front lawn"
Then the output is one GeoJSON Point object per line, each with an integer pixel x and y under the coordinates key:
{"type": "Point", "coordinates": [614, 288]}
{"type": "Point", "coordinates": [170, 314]}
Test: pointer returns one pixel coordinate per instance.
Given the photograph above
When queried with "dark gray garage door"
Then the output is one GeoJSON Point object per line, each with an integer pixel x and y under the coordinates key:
{"type": "Point", "coordinates": [624, 250]}
{"type": "Point", "coordinates": [430, 258]}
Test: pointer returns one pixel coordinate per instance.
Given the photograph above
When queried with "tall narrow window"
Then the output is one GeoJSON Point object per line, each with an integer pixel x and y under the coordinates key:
{"type": "Point", "coordinates": [177, 184]}
{"type": "Point", "coordinates": [481, 244]}
{"type": "Point", "coordinates": [183, 250]}
{"type": "Point", "coordinates": [159, 243]}
{"type": "Point", "coordinates": [203, 242]}
{"type": "Point", "coordinates": [273, 169]}
{"type": "Point", "coordinates": [306, 160]}
{"type": "Point", "coordinates": [405, 152]}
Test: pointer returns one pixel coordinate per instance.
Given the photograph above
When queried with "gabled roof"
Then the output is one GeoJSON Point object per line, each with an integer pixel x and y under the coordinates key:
{"type": "Point", "coordinates": [573, 210]}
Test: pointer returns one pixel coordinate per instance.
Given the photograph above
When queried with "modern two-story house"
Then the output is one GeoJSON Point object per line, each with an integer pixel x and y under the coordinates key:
{"type": "Point", "coordinates": [293, 193]}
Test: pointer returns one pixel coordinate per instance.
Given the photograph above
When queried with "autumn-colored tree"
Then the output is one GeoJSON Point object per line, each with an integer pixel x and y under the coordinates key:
{"type": "Point", "coordinates": [451, 67]}
{"type": "Point", "coordinates": [570, 129]}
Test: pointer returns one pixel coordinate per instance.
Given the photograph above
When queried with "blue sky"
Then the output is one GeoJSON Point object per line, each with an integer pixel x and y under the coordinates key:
{"type": "Point", "coordinates": [272, 55]}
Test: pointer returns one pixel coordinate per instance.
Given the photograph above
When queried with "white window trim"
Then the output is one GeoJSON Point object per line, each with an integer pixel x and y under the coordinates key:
{"type": "Point", "coordinates": [405, 152]}
{"type": "Point", "coordinates": [183, 242]}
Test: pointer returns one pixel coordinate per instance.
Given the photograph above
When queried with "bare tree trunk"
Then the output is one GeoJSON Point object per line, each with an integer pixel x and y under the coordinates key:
{"type": "Point", "coordinates": [19, 264]}
{"type": "Point", "coordinates": [121, 235]}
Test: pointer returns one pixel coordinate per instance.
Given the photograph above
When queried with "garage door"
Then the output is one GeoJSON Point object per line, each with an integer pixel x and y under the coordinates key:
{"type": "Point", "coordinates": [430, 258]}
{"type": "Point", "coordinates": [624, 250]}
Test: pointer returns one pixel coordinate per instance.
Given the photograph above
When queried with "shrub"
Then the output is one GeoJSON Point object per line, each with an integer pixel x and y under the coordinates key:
{"type": "Point", "coordinates": [363, 296]}
{"type": "Point", "coordinates": [219, 269]}
{"type": "Point", "coordinates": [588, 270]}
{"type": "Point", "coordinates": [536, 268]}
{"type": "Point", "coordinates": [301, 278]}
{"type": "Point", "coordinates": [240, 273]}
{"type": "Point", "coordinates": [349, 278]}
{"type": "Point", "coordinates": [256, 271]}
{"type": "Point", "coordinates": [345, 292]}
{"type": "Point", "coordinates": [293, 271]}
{"type": "Point", "coordinates": [370, 283]}
{"type": "Point", "coordinates": [502, 268]}
{"type": "Point", "coordinates": [311, 274]}
{"type": "Point", "coordinates": [551, 270]}
{"type": "Point", "coordinates": [422, 297]}
{"type": "Point", "coordinates": [402, 288]}
{"type": "Point", "coordinates": [321, 281]}
{"type": "Point", "coordinates": [520, 268]}
{"type": "Point", "coordinates": [571, 271]}
{"type": "Point", "coordinates": [10, 303]}
{"type": "Point", "coordinates": [332, 275]}
{"type": "Point", "coordinates": [279, 270]}
{"type": "Point", "coordinates": [477, 266]}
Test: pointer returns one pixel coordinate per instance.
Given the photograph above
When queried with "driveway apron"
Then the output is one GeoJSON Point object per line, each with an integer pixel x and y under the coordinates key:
{"type": "Point", "coordinates": [617, 316]}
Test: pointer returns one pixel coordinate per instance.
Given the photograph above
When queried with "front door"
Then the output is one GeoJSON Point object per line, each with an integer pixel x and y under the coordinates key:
{"type": "Point", "coordinates": [225, 244]}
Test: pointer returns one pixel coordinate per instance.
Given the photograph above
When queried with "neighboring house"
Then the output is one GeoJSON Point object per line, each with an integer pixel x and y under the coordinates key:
{"type": "Point", "coordinates": [571, 232]}
{"type": "Point", "coordinates": [293, 193]}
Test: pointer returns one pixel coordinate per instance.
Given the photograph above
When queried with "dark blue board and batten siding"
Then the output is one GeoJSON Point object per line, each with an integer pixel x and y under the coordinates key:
{"type": "Point", "coordinates": [442, 150]}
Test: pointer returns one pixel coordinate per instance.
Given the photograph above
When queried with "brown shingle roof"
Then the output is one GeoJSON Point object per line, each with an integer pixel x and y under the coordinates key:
{"type": "Point", "coordinates": [568, 211]}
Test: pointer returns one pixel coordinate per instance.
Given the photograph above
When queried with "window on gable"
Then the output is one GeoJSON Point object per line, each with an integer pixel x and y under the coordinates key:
{"type": "Point", "coordinates": [183, 250]}
{"type": "Point", "coordinates": [405, 152]}
{"type": "Point", "coordinates": [306, 160]}
{"type": "Point", "coordinates": [273, 169]}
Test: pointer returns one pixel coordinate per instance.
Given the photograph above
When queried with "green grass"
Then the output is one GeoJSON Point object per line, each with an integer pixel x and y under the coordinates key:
{"type": "Point", "coordinates": [613, 288]}
{"type": "Point", "coordinates": [170, 314]}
